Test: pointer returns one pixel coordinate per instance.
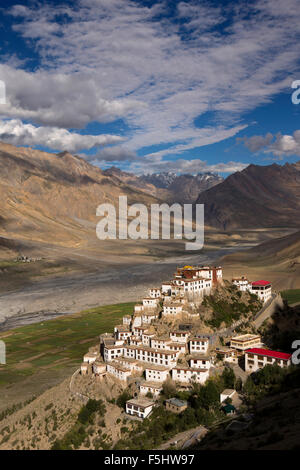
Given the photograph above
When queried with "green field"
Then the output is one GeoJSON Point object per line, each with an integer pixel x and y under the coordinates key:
{"type": "Point", "coordinates": [291, 295]}
{"type": "Point", "coordinates": [57, 343]}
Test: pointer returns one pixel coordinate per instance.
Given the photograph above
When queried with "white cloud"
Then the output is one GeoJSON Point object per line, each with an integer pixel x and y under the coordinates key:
{"type": "Point", "coordinates": [184, 166]}
{"type": "Point", "coordinates": [58, 99]}
{"type": "Point", "coordinates": [279, 145]}
{"type": "Point", "coordinates": [117, 58]}
{"type": "Point", "coordinates": [17, 133]}
{"type": "Point", "coordinates": [113, 154]}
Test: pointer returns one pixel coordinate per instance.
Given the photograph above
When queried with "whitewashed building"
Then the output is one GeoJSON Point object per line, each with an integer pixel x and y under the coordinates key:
{"type": "Point", "coordinates": [179, 336]}
{"type": "Point", "coordinates": [99, 368]}
{"type": "Point", "coordinates": [155, 293]}
{"type": "Point", "coordinates": [156, 373]}
{"type": "Point", "coordinates": [241, 282]}
{"type": "Point", "coordinates": [263, 290]}
{"type": "Point", "coordinates": [146, 338]}
{"type": "Point", "coordinates": [111, 352]}
{"type": "Point", "coordinates": [127, 320]}
{"type": "Point", "coordinates": [90, 357]}
{"type": "Point", "coordinates": [129, 351]}
{"type": "Point", "coordinates": [160, 343]}
{"type": "Point", "coordinates": [140, 407]}
{"type": "Point", "coordinates": [200, 362]}
{"type": "Point", "coordinates": [147, 318]}
{"type": "Point", "coordinates": [118, 371]}
{"type": "Point", "coordinates": [122, 332]}
{"type": "Point", "coordinates": [243, 342]}
{"type": "Point", "coordinates": [155, 356]}
{"type": "Point", "coordinates": [257, 358]}
{"type": "Point", "coordinates": [84, 368]}
{"type": "Point", "coordinates": [139, 330]}
{"type": "Point", "coordinates": [150, 302]}
{"type": "Point", "coordinates": [189, 375]}
{"type": "Point", "coordinates": [172, 309]}
{"type": "Point", "coordinates": [198, 345]}
{"type": "Point", "coordinates": [227, 393]}
{"type": "Point", "coordinates": [135, 341]}
{"type": "Point", "coordinates": [150, 387]}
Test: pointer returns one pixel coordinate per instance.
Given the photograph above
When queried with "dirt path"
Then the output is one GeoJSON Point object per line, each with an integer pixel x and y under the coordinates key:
{"type": "Point", "coordinates": [185, 438]}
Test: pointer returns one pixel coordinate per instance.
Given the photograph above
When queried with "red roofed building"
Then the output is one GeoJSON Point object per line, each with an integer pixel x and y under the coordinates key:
{"type": "Point", "coordinates": [257, 358]}
{"type": "Point", "coordinates": [263, 290]}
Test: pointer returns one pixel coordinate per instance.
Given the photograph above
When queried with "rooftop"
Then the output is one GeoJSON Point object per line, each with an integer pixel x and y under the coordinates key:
{"type": "Point", "coordinates": [228, 391]}
{"type": "Point", "coordinates": [269, 353]}
{"type": "Point", "coordinates": [246, 337]}
{"type": "Point", "coordinates": [156, 385]}
{"type": "Point", "coordinates": [141, 402]}
{"type": "Point", "coordinates": [261, 283]}
{"type": "Point", "coordinates": [177, 402]}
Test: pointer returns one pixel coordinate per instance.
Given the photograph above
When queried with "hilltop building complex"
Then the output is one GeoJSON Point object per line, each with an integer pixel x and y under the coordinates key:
{"type": "Point", "coordinates": [160, 341]}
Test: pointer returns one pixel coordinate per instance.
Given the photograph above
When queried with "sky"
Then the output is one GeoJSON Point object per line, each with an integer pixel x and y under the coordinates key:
{"type": "Point", "coordinates": [152, 86]}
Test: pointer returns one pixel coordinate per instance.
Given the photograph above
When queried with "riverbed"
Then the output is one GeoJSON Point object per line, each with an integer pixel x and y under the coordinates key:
{"type": "Point", "coordinates": [46, 299]}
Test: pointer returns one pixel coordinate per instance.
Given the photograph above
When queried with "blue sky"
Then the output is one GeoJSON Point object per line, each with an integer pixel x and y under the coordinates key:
{"type": "Point", "coordinates": [182, 86]}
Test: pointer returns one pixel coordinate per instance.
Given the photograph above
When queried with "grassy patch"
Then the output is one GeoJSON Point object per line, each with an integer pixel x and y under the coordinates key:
{"type": "Point", "coordinates": [61, 339]}
{"type": "Point", "coordinates": [291, 295]}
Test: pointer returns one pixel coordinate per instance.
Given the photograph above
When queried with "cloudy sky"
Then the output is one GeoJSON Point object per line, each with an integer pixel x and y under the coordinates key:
{"type": "Point", "coordinates": [184, 86]}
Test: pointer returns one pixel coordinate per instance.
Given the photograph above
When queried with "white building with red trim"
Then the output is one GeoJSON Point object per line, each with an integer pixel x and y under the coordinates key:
{"type": "Point", "coordinates": [257, 358]}
{"type": "Point", "coordinates": [263, 290]}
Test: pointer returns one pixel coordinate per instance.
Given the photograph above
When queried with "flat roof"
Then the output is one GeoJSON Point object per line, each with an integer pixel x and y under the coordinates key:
{"type": "Point", "coordinates": [192, 369]}
{"type": "Point", "coordinates": [156, 385]}
{"type": "Point", "coordinates": [261, 283]}
{"type": "Point", "coordinates": [246, 337]}
{"type": "Point", "coordinates": [177, 402]}
{"type": "Point", "coordinates": [196, 338]}
{"type": "Point", "coordinates": [141, 402]}
{"type": "Point", "coordinates": [157, 367]}
{"type": "Point", "coordinates": [269, 353]}
{"type": "Point", "coordinates": [228, 391]}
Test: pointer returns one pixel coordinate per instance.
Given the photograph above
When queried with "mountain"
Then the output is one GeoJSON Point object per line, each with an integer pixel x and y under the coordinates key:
{"type": "Point", "coordinates": [160, 180]}
{"type": "Point", "coordinates": [258, 196]}
{"type": "Point", "coordinates": [277, 260]}
{"type": "Point", "coordinates": [52, 198]}
{"type": "Point", "coordinates": [167, 185]}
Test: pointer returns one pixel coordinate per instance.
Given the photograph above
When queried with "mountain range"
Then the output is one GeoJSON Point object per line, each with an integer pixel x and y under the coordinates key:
{"type": "Point", "coordinates": [256, 197]}
{"type": "Point", "coordinates": [52, 198]}
{"type": "Point", "coordinates": [169, 186]}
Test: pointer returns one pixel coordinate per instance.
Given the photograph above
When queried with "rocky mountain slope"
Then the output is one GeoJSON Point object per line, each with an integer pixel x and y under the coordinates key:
{"type": "Point", "coordinates": [278, 260]}
{"type": "Point", "coordinates": [258, 196]}
{"type": "Point", "coordinates": [52, 198]}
